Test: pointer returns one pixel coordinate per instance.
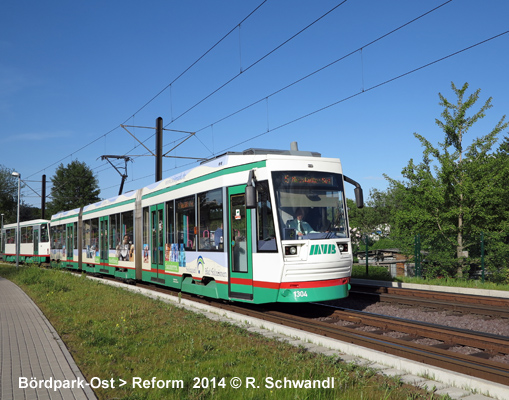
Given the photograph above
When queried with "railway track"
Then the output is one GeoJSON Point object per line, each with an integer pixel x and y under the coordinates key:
{"type": "Point", "coordinates": [460, 303]}
{"type": "Point", "coordinates": [426, 343]}
{"type": "Point", "coordinates": [431, 344]}
{"type": "Point", "coordinates": [415, 341]}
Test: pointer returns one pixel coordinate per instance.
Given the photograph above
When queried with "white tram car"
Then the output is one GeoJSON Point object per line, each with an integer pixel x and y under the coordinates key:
{"type": "Point", "coordinates": [226, 229]}
{"type": "Point", "coordinates": [34, 243]}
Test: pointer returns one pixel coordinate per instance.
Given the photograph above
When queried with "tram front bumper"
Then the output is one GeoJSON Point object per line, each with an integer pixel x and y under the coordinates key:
{"type": "Point", "coordinates": [305, 292]}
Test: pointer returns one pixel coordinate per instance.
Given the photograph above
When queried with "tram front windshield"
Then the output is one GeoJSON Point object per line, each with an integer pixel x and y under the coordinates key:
{"type": "Point", "coordinates": [310, 205]}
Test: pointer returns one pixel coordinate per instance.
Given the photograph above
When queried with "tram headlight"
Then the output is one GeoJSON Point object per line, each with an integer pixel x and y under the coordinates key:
{"type": "Point", "coordinates": [290, 250]}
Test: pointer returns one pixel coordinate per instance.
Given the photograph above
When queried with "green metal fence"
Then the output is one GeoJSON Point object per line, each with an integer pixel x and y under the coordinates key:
{"type": "Point", "coordinates": [483, 256]}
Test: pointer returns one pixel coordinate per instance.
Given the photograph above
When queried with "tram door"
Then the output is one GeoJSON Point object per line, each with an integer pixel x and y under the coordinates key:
{"type": "Point", "coordinates": [36, 240]}
{"type": "Point", "coordinates": [157, 239]}
{"type": "Point", "coordinates": [239, 245]}
{"type": "Point", "coordinates": [69, 242]}
{"type": "Point", "coordinates": [103, 241]}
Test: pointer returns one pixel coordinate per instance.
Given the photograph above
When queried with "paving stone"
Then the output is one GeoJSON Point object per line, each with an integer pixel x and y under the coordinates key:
{"type": "Point", "coordinates": [454, 393]}
{"type": "Point", "coordinates": [31, 348]}
{"type": "Point", "coordinates": [476, 397]}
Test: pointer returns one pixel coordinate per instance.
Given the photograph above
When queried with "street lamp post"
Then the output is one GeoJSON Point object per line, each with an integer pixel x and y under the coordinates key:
{"type": "Point", "coordinates": [18, 233]}
{"type": "Point", "coordinates": [2, 246]}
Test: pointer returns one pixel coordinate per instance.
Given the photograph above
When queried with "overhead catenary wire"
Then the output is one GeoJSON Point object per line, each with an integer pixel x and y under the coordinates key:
{"type": "Point", "coordinates": [364, 90]}
{"type": "Point", "coordinates": [158, 94]}
{"type": "Point", "coordinates": [257, 61]}
{"type": "Point", "coordinates": [200, 58]}
{"type": "Point", "coordinates": [218, 89]}
{"type": "Point", "coordinates": [361, 92]}
{"type": "Point", "coordinates": [265, 98]}
{"type": "Point", "coordinates": [316, 111]}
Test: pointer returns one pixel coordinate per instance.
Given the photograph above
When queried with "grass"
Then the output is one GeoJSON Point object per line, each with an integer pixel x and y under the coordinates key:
{"type": "Point", "coordinates": [382, 274]}
{"type": "Point", "coordinates": [112, 333]}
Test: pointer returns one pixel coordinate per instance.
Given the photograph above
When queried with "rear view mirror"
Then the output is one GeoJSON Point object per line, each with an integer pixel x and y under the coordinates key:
{"type": "Point", "coordinates": [359, 197]}
{"type": "Point", "coordinates": [250, 197]}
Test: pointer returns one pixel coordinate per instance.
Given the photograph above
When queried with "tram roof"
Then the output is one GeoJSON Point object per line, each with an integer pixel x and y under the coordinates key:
{"type": "Point", "coordinates": [183, 176]}
{"type": "Point", "coordinates": [27, 223]}
{"type": "Point", "coordinates": [258, 151]}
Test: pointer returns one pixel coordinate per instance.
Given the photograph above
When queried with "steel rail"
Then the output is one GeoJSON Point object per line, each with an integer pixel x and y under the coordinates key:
{"type": "Point", "coordinates": [481, 305]}
{"type": "Point", "coordinates": [434, 356]}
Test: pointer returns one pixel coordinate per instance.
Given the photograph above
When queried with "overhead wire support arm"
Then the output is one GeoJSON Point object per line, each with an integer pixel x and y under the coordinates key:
{"type": "Point", "coordinates": [158, 154]}
{"type": "Point", "coordinates": [131, 126]}
{"type": "Point", "coordinates": [191, 134]}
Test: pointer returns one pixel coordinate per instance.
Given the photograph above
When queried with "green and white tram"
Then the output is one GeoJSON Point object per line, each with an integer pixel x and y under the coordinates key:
{"type": "Point", "coordinates": [34, 244]}
{"type": "Point", "coordinates": [226, 229]}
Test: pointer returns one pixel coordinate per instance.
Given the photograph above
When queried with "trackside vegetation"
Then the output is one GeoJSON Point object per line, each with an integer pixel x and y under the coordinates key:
{"type": "Point", "coordinates": [451, 207]}
{"type": "Point", "coordinates": [112, 333]}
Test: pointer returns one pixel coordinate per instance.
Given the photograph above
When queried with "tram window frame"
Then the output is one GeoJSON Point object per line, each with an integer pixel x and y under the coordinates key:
{"type": "Point", "coordinates": [44, 233]}
{"type": "Point", "coordinates": [114, 229]}
{"type": "Point", "coordinates": [10, 236]}
{"type": "Point", "coordinates": [29, 234]}
{"type": "Point", "coordinates": [75, 226]}
{"type": "Point", "coordinates": [23, 234]}
{"type": "Point", "coordinates": [170, 223]}
{"type": "Point", "coordinates": [186, 207]}
{"type": "Point", "coordinates": [53, 236]}
{"type": "Point", "coordinates": [265, 219]}
{"type": "Point", "coordinates": [59, 237]}
{"type": "Point", "coordinates": [94, 236]}
{"type": "Point", "coordinates": [213, 226]}
{"type": "Point", "coordinates": [87, 238]}
{"type": "Point", "coordinates": [146, 234]}
{"type": "Point", "coordinates": [127, 226]}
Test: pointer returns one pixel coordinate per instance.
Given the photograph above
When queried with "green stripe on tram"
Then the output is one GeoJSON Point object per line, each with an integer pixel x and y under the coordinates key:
{"type": "Point", "coordinates": [212, 175]}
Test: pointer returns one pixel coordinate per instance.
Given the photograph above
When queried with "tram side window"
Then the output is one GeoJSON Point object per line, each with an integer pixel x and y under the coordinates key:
{"type": "Point", "coordinates": [211, 221]}
{"type": "Point", "coordinates": [56, 237]}
{"type": "Point", "coordinates": [146, 233]}
{"type": "Point", "coordinates": [170, 224]}
{"type": "Point", "coordinates": [266, 230]}
{"type": "Point", "coordinates": [30, 234]}
{"type": "Point", "coordinates": [125, 235]}
{"type": "Point", "coordinates": [75, 239]}
{"type": "Point", "coordinates": [127, 227]}
{"type": "Point", "coordinates": [10, 236]}
{"type": "Point", "coordinates": [44, 233]}
{"type": "Point", "coordinates": [59, 237]}
{"type": "Point", "coordinates": [87, 233]}
{"type": "Point", "coordinates": [94, 236]}
{"type": "Point", "coordinates": [53, 237]}
{"type": "Point", "coordinates": [186, 222]}
{"type": "Point", "coordinates": [24, 234]}
{"type": "Point", "coordinates": [114, 231]}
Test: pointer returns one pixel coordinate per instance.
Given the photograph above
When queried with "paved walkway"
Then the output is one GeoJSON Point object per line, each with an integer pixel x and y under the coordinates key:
{"type": "Point", "coordinates": [31, 348]}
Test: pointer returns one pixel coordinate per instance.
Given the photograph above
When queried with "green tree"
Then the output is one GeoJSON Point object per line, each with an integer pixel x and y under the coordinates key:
{"type": "Point", "coordinates": [374, 219]}
{"type": "Point", "coordinates": [8, 194]}
{"type": "Point", "coordinates": [453, 193]}
{"type": "Point", "coordinates": [74, 186]}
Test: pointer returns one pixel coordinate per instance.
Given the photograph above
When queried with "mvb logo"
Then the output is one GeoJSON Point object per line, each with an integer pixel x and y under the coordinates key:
{"type": "Point", "coordinates": [322, 249]}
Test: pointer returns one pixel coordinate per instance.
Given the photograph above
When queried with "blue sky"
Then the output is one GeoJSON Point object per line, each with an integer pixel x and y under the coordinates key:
{"type": "Point", "coordinates": [72, 72]}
